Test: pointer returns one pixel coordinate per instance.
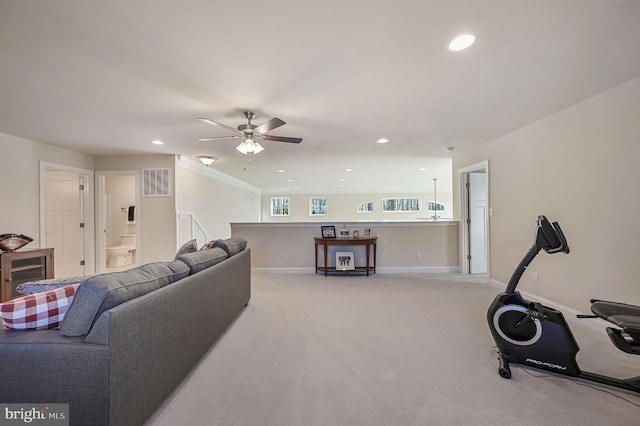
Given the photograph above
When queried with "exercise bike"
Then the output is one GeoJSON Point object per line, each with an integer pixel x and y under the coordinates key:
{"type": "Point", "coordinates": [529, 333]}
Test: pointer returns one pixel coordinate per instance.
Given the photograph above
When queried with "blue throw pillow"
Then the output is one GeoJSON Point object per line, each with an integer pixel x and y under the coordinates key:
{"type": "Point", "coordinates": [231, 246]}
{"type": "Point", "coordinates": [41, 286]}
{"type": "Point", "coordinates": [188, 247]}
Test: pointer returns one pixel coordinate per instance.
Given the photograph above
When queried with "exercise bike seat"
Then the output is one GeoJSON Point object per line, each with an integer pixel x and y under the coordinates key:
{"type": "Point", "coordinates": [625, 316]}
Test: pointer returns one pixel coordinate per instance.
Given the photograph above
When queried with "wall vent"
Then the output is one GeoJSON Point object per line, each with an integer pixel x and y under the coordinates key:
{"type": "Point", "coordinates": [156, 183]}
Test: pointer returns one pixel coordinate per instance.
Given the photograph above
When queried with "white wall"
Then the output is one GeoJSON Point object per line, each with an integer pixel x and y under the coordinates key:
{"type": "Point", "coordinates": [215, 200]}
{"type": "Point", "coordinates": [579, 167]}
{"type": "Point", "coordinates": [20, 188]}
{"type": "Point", "coordinates": [20, 182]}
{"type": "Point", "coordinates": [157, 215]}
{"type": "Point", "coordinates": [419, 246]}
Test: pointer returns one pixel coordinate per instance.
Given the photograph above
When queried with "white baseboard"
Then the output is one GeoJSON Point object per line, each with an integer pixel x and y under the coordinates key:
{"type": "Point", "coordinates": [388, 270]}
{"type": "Point", "coordinates": [419, 269]}
{"type": "Point", "coordinates": [286, 270]}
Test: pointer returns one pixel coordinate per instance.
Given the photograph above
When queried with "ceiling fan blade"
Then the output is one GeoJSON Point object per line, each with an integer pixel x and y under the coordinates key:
{"type": "Point", "coordinates": [282, 139]}
{"type": "Point", "coordinates": [218, 137]}
{"type": "Point", "coordinates": [269, 125]}
{"type": "Point", "coordinates": [215, 123]}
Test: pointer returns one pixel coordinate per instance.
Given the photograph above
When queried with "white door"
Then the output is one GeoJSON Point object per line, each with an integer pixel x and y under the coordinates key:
{"type": "Point", "coordinates": [63, 219]}
{"type": "Point", "coordinates": [477, 224]}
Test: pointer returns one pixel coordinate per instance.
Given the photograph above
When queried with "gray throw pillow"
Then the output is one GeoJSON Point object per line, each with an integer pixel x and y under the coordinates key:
{"type": "Point", "coordinates": [102, 292]}
{"type": "Point", "coordinates": [199, 260]}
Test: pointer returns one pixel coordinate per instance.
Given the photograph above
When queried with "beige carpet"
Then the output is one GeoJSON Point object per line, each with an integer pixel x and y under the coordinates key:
{"type": "Point", "coordinates": [391, 349]}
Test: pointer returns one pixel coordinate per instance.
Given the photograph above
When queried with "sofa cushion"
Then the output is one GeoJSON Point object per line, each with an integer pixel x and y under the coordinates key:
{"type": "Point", "coordinates": [40, 286]}
{"type": "Point", "coordinates": [199, 260]}
{"type": "Point", "coordinates": [38, 311]}
{"type": "Point", "coordinates": [102, 292]}
{"type": "Point", "coordinates": [187, 247]}
{"type": "Point", "coordinates": [233, 245]}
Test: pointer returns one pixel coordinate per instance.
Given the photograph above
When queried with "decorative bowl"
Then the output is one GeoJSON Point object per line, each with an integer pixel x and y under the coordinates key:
{"type": "Point", "coordinates": [11, 242]}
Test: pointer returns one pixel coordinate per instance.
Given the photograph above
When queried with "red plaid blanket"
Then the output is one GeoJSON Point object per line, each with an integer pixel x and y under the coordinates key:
{"type": "Point", "coordinates": [38, 311]}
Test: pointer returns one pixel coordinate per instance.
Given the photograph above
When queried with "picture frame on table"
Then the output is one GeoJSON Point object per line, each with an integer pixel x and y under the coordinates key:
{"type": "Point", "coordinates": [345, 261]}
{"type": "Point", "coordinates": [328, 231]}
{"type": "Point", "coordinates": [356, 234]}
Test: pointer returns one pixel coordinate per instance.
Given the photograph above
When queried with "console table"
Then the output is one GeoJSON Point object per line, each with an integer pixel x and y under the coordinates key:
{"type": "Point", "coordinates": [368, 242]}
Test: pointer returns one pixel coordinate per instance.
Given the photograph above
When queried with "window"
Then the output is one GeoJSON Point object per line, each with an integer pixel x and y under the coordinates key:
{"type": "Point", "coordinates": [401, 205]}
{"type": "Point", "coordinates": [434, 205]}
{"type": "Point", "coordinates": [366, 207]}
{"type": "Point", "coordinates": [280, 206]}
{"type": "Point", "coordinates": [318, 206]}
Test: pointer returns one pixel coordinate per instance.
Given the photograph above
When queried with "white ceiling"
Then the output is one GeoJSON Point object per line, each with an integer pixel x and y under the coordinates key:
{"type": "Point", "coordinates": [108, 77]}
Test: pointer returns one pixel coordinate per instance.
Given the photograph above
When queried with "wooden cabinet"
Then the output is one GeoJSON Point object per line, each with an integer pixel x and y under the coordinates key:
{"type": "Point", "coordinates": [19, 267]}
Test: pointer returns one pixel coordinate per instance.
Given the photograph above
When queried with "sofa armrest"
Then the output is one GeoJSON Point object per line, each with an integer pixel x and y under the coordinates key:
{"type": "Point", "coordinates": [42, 366]}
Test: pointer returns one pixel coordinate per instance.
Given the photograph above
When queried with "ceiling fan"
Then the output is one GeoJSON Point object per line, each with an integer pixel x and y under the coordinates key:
{"type": "Point", "coordinates": [251, 133]}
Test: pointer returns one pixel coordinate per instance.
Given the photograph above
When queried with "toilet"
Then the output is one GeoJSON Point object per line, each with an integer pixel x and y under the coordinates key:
{"type": "Point", "coordinates": [124, 254]}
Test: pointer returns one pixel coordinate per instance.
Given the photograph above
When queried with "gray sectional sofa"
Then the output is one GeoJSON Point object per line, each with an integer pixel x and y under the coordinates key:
{"type": "Point", "coordinates": [129, 338]}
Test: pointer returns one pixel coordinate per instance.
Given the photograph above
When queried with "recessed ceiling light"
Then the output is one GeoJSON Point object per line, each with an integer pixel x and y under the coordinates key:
{"type": "Point", "coordinates": [290, 180]}
{"type": "Point", "coordinates": [157, 142]}
{"type": "Point", "coordinates": [422, 169]}
{"type": "Point", "coordinates": [382, 140]}
{"type": "Point", "coordinates": [341, 180]}
{"type": "Point", "coordinates": [461, 42]}
{"type": "Point", "coordinates": [280, 171]}
{"type": "Point", "coordinates": [348, 170]}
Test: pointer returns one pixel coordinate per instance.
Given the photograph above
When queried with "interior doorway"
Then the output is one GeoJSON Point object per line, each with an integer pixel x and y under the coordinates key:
{"type": "Point", "coordinates": [117, 224]}
{"type": "Point", "coordinates": [66, 218]}
{"type": "Point", "coordinates": [475, 212]}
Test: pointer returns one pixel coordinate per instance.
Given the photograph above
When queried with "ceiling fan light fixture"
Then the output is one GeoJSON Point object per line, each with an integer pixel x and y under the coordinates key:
{"type": "Point", "coordinates": [242, 148]}
{"type": "Point", "coordinates": [250, 131]}
{"type": "Point", "coordinates": [249, 146]}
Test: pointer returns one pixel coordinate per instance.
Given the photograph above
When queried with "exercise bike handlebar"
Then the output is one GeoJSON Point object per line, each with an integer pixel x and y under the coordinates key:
{"type": "Point", "coordinates": [548, 237]}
